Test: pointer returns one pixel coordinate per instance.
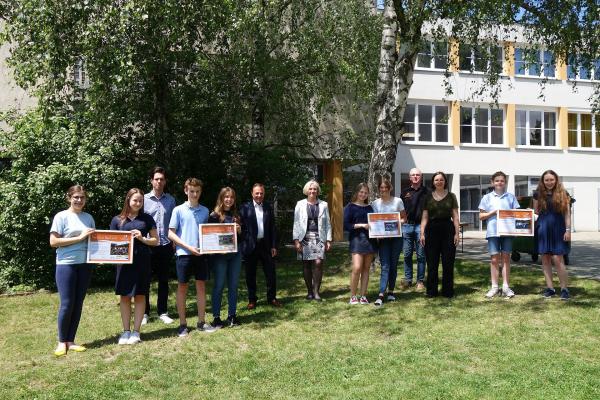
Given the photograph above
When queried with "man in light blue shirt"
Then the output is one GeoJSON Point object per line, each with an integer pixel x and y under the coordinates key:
{"type": "Point", "coordinates": [159, 205]}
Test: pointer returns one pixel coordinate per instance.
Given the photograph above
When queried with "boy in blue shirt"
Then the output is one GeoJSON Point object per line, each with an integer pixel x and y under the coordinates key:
{"type": "Point", "coordinates": [184, 232]}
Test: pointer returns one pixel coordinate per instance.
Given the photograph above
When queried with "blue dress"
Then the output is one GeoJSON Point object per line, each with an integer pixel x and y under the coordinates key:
{"type": "Point", "coordinates": [549, 231]}
{"type": "Point", "coordinates": [358, 238]}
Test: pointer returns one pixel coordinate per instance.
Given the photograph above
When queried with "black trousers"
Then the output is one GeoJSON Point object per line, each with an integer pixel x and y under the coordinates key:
{"type": "Point", "coordinates": [262, 253]}
{"type": "Point", "coordinates": [161, 261]}
{"type": "Point", "coordinates": [439, 241]}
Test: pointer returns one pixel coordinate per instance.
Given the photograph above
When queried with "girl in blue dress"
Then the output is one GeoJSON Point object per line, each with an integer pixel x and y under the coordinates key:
{"type": "Point", "coordinates": [553, 230]}
{"type": "Point", "coordinates": [133, 280]}
{"type": "Point", "coordinates": [362, 248]}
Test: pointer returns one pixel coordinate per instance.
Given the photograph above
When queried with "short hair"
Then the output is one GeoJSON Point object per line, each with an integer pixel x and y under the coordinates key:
{"type": "Point", "coordinates": [499, 173]}
{"type": "Point", "coordinates": [74, 189]}
{"type": "Point", "coordinates": [357, 189]}
{"type": "Point", "coordinates": [258, 184]}
{"type": "Point", "coordinates": [193, 182]}
{"type": "Point", "coordinates": [308, 184]}
{"type": "Point", "coordinates": [158, 170]}
{"type": "Point", "coordinates": [443, 175]}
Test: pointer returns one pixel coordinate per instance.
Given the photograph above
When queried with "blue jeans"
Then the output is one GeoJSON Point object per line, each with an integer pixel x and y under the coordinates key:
{"type": "Point", "coordinates": [389, 252]}
{"type": "Point", "coordinates": [411, 233]}
{"type": "Point", "coordinates": [72, 282]}
{"type": "Point", "coordinates": [226, 267]}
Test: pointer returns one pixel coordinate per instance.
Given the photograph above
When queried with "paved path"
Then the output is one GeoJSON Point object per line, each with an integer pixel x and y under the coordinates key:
{"type": "Point", "coordinates": [584, 257]}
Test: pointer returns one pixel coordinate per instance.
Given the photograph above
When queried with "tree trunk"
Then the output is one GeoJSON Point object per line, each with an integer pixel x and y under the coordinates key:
{"type": "Point", "coordinates": [396, 67]}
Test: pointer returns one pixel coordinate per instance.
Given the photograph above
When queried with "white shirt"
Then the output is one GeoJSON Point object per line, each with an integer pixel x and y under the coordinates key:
{"type": "Point", "coordinates": [395, 204]}
{"type": "Point", "coordinates": [258, 209]}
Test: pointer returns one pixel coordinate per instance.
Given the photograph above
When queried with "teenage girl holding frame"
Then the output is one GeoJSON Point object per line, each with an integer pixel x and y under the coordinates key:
{"type": "Point", "coordinates": [133, 280]}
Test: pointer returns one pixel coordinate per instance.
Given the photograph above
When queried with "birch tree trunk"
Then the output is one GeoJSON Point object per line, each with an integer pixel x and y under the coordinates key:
{"type": "Point", "coordinates": [396, 66]}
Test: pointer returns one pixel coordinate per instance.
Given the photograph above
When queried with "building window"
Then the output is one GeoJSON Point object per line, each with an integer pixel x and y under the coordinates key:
{"type": "Point", "coordinates": [481, 125]}
{"type": "Point", "coordinates": [480, 58]}
{"type": "Point", "coordinates": [472, 189]}
{"type": "Point", "coordinates": [380, 5]}
{"type": "Point", "coordinates": [583, 72]}
{"type": "Point", "coordinates": [433, 55]}
{"type": "Point", "coordinates": [536, 128]}
{"type": "Point", "coordinates": [524, 187]}
{"type": "Point", "coordinates": [584, 130]}
{"type": "Point", "coordinates": [426, 123]}
{"type": "Point", "coordinates": [79, 75]}
{"type": "Point", "coordinates": [534, 62]}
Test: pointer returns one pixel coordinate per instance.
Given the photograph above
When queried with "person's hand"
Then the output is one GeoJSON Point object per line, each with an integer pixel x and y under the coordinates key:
{"type": "Point", "coordinates": [273, 252]}
{"type": "Point", "coordinates": [194, 251]}
{"type": "Point", "coordinates": [238, 228]}
{"type": "Point", "coordinates": [85, 233]}
{"type": "Point", "coordinates": [137, 234]}
{"type": "Point", "coordinates": [567, 236]}
{"type": "Point", "coordinates": [327, 245]}
{"type": "Point", "coordinates": [298, 246]}
{"type": "Point", "coordinates": [456, 238]}
{"type": "Point", "coordinates": [422, 240]}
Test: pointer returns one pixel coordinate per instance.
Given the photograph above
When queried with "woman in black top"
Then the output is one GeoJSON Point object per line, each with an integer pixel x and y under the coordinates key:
{"type": "Point", "coordinates": [439, 235]}
{"type": "Point", "coordinates": [133, 280]}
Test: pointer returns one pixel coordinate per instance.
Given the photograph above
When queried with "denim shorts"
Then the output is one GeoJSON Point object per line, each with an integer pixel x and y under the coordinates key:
{"type": "Point", "coordinates": [499, 244]}
{"type": "Point", "coordinates": [186, 265]}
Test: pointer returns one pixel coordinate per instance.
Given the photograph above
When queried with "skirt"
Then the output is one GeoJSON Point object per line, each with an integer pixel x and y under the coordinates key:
{"type": "Point", "coordinates": [361, 244]}
{"type": "Point", "coordinates": [313, 247]}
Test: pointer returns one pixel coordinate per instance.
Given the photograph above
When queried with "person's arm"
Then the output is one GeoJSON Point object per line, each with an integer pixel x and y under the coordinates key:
{"type": "Point", "coordinates": [58, 241]}
{"type": "Point", "coordinates": [273, 231]}
{"type": "Point", "coordinates": [483, 215]}
{"type": "Point", "coordinates": [328, 227]}
{"type": "Point", "coordinates": [177, 240]}
{"type": "Point", "coordinates": [424, 221]}
{"type": "Point", "coordinates": [456, 222]}
{"type": "Point", "coordinates": [296, 228]}
{"type": "Point", "coordinates": [567, 235]}
{"type": "Point", "coordinates": [148, 241]}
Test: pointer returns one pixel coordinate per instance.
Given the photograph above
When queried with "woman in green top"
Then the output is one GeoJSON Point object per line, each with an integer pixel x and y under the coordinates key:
{"type": "Point", "coordinates": [439, 235]}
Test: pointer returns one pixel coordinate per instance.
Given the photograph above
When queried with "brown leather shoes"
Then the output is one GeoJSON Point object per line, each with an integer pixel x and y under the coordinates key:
{"type": "Point", "coordinates": [275, 303]}
{"type": "Point", "coordinates": [251, 305]}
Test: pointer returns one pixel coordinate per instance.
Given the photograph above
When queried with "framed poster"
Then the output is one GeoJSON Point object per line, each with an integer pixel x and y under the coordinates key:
{"type": "Point", "coordinates": [515, 222]}
{"type": "Point", "coordinates": [110, 247]}
{"type": "Point", "coordinates": [217, 238]}
{"type": "Point", "coordinates": [384, 225]}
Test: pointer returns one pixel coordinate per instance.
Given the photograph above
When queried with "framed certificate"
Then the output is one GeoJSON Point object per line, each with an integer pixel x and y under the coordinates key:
{"type": "Point", "coordinates": [217, 238]}
{"type": "Point", "coordinates": [384, 225]}
{"type": "Point", "coordinates": [110, 247]}
{"type": "Point", "coordinates": [515, 222]}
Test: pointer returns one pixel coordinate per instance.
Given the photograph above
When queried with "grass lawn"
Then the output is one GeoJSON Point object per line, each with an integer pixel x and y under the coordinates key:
{"type": "Point", "coordinates": [464, 348]}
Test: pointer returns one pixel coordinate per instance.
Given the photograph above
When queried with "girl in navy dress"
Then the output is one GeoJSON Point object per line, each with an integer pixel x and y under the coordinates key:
{"type": "Point", "coordinates": [133, 280]}
{"type": "Point", "coordinates": [361, 247]}
{"type": "Point", "coordinates": [553, 230]}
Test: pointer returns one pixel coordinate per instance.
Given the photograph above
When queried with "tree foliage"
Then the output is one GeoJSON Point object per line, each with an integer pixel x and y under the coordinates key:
{"type": "Point", "coordinates": [230, 91]}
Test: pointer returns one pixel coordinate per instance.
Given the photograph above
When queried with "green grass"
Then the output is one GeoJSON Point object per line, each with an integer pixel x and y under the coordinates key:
{"type": "Point", "coordinates": [464, 348]}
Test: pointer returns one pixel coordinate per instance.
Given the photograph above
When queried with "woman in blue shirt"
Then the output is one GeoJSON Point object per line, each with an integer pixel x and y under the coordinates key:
{"type": "Point", "coordinates": [68, 234]}
{"type": "Point", "coordinates": [133, 280]}
{"type": "Point", "coordinates": [361, 247]}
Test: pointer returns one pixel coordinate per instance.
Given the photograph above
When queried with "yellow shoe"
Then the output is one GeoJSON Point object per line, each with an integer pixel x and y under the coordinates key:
{"type": "Point", "coordinates": [77, 348]}
{"type": "Point", "coordinates": [60, 351]}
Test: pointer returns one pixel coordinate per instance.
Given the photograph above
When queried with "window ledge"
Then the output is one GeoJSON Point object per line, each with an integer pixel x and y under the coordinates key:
{"type": "Point", "coordinates": [530, 147]}
{"type": "Point", "coordinates": [495, 146]}
{"type": "Point", "coordinates": [584, 149]}
{"type": "Point", "coordinates": [427, 144]}
{"type": "Point", "coordinates": [536, 77]}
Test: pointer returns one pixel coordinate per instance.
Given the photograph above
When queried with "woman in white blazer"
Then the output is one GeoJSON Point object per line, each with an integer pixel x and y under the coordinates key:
{"type": "Point", "coordinates": [312, 237]}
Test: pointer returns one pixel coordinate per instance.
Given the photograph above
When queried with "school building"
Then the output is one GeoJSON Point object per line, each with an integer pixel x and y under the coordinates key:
{"type": "Point", "coordinates": [540, 122]}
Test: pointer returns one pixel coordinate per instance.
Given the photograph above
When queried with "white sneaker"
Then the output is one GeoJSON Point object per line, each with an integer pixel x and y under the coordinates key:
{"type": "Point", "coordinates": [353, 300]}
{"type": "Point", "coordinates": [391, 297]}
{"type": "Point", "coordinates": [364, 300]}
{"type": "Point", "coordinates": [145, 319]}
{"type": "Point", "coordinates": [124, 338]}
{"type": "Point", "coordinates": [492, 292]}
{"type": "Point", "coordinates": [508, 292]}
{"type": "Point", "coordinates": [134, 338]}
{"type": "Point", "coordinates": [165, 318]}
{"type": "Point", "coordinates": [379, 301]}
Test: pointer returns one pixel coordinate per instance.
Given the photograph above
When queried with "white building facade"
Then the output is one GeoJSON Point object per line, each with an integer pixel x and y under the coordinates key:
{"type": "Point", "coordinates": [541, 122]}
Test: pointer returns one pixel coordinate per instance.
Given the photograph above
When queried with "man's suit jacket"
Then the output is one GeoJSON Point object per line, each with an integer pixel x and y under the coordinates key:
{"type": "Point", "coordinates": [250, 227]}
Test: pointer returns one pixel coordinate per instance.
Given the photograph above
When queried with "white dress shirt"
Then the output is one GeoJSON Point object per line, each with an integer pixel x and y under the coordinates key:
{"type": "Point", "coordinates": [258, 209]}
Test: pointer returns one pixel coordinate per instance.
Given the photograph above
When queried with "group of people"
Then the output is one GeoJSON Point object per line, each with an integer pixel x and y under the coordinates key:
{"type": "Point", "coordinates": [160, 229]}
{"type": "Point", "coordinates": [430, 227]}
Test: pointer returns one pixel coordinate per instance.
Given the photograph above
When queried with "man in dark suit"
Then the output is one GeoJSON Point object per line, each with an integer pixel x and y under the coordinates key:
{"type": "Point", "coordinates": [259, 242]}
